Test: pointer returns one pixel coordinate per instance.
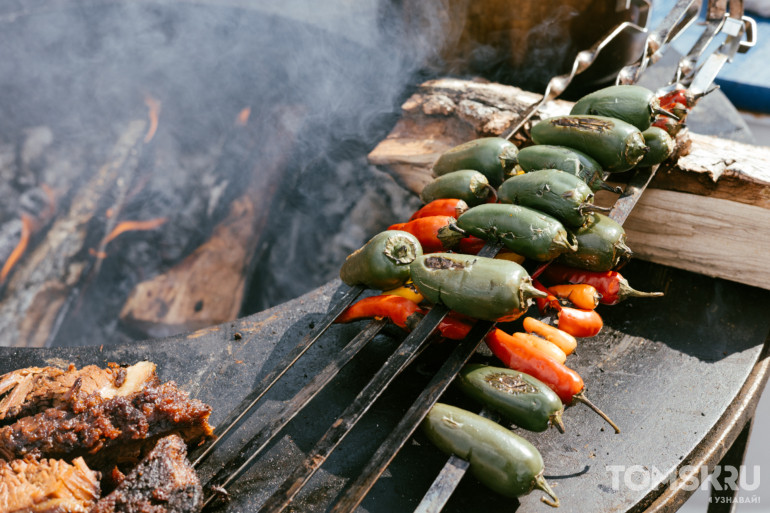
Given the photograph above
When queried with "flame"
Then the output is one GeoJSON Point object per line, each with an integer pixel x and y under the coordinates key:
{"type": "Point", "coordinates": [128, 226]}
{"type": "Point", "coordinates": [243, 116]}
{"type": "Point", "coordinates": [27, 225]}
{"type": "Point", "coordinates": [98, 254]}
{"type": "Point", "coordinates": [154, 111]}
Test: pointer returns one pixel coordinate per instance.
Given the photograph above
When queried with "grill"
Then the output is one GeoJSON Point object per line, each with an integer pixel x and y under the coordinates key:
{"type": "Point", "coordinates": [235, 365]}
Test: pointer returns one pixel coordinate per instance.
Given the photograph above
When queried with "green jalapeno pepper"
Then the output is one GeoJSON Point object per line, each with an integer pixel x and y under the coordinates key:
{"type": "Point", "coordinates": [499, 459]}
{"type": "Point", "coordinates": [467, 184]}
{"type": "Point", "coordinates": [557, 193]}
{"type": "Point", "coordinates": [527, 402]}
{"type": "Point", "coordinates": [483, 288]}
{"type": "Point", "coordinates": [633, 104]}
{"type": "Point", "coordinates": [615, 144]}
{"type": "Point", "coordinates": [661, 146]}
{"type": "Point", "coordinates": [574, 162]}
{"type": "Point", "coordinates": [601, 245]}
{"type": "Point", "coordinates": [523, 230]}
{"type": "Point", "coordinates": [494, 157]}
{"type": "Point", "coordinates": [383, 262]}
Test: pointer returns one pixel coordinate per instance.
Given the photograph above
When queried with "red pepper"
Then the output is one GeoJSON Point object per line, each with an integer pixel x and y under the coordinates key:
{"type": "Point", "coordinates": [610, 284]}
{"type": "Point", "coordinates": [453, 328]}
{"type": "Point", "coordinates": [434, 232]}
{"type": "Point", "coordinates": [546, 304]}
{"type": "Point", "coordinates": [576, 322]}
{"type": "Point", "coordinates": [581, 295]}
{"type": "Point", "coordinates": [471, 245]}
{"type": "Point", "coordinates": [580, 323]}
{"type": "Point", "coordinates": [524, 358]}
{"type": "Point", "coordinates": [668, 124]}
{"type": "Point", "coordinates": [396, 308]}
{"type": "Point", "coordinates": [441, 207]}
{"type": "Point", "coordinates": [567, 383]}
{"type": "Point", "coordinates": [681, 96]}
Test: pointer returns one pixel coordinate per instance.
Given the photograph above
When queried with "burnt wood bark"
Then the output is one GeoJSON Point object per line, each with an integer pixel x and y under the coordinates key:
{"type": "Point", "coordinates": [719, 190]}
{"type": "Point", "coordinates": [42, 282]}
{"type": "Point", "coordinates": [208, 286]}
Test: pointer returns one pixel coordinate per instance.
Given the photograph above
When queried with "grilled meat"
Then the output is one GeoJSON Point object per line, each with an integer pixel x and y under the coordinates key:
{"type": "Point", "coordinates": [164, 482]}
{"type": "Point", "coordinates": [114, 431]}
{"type": "Point", "coordinates": [32, 390]}
{"type": "Point", "coordinates": [47, 486]}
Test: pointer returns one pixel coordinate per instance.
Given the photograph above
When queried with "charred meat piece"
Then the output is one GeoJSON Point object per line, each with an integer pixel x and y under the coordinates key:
{"type": "Point", "coordinates": [164, 482]}
{"type": "Point", "coordinates": [47, 486]}
{"type": "Point", "coordinates": [32, 390]}
{"type": "Point", "coordinates": [115, 431]}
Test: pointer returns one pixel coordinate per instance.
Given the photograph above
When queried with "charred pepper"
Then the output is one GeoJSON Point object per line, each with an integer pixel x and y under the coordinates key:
{"type": "Point", "coordinates": [494, 157]}
{"type": "Point", "coordinates": [615, 144]}
{"type": "Point", "coordinates": [383, 262]}
{"type": "Point", "coordinates": [661, 146]}
{"type": "Point", "coordinates": [574, 162]}
{"type": "Point", "coordinates": [523, 230]}
{"type": "Point", "coordinates": [601, 245]}
{"type": "Point", "coordinates": [466, 184]}
{"type": "Point", "coordinates": [482, 288]}
{"type": "Point", "coordinates": [520, 398]}
{"type": "Point", "coordinates": [500, 459]}
{"type": "Point", "coordinates": [554, 192]}
{"type": "Point", "coordinates": [633, 104]}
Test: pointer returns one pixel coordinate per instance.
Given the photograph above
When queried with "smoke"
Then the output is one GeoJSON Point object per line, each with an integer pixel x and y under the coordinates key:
{"type": "Point", "coordinates": [331, 76]}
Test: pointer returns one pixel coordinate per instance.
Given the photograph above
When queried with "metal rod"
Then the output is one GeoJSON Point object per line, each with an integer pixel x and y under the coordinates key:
{"type": "Point", "coordinates": [400, 359]}
{"type": "Point", "coordinates": [234, 468]}
{"type": "Point", "coordinates": [447, 480]}
{"type": "Point", "coordinates": [443, 486]}
{"type": "Point", "coordinates": [582, 61]}
{"type": "Point", "coordinates": [356, 492]}
{"type": "Point", "coordinates": [248, 403]}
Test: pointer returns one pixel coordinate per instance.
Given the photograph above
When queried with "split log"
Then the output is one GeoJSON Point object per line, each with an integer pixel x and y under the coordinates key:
{"type": "Point", "coordinates": [708, 215]}
{"type": "Point", "coordinates": [41, 283]}
{"type": "Point", "coordinates": [208, 286]}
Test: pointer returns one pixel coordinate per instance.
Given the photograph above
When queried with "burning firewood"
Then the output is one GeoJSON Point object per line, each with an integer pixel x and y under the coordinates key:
{"type": "Point", "coordinates": [41, 283]}
{"type": "Point", "coordinates": [208, 286]}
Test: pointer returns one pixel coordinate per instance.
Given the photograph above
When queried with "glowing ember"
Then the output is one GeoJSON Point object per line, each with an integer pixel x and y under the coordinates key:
{"type": "Point", "coordinates": [154, 111]}
{"type": "Point", "coordinates": [130, 226]}
{"type": "Point", "coordinates": [243, 117]}
{"type": "Point", "coordinates": [27, 226]}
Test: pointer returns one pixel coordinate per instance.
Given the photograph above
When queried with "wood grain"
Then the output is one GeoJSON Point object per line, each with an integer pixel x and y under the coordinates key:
{"type": "Point", "coordinates": [707, 235]}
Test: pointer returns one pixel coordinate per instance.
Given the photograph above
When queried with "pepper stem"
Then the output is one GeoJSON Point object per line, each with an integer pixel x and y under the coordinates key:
{"type": "Point", "coordinates": [625, 291]}
{"type": "Point", "coordinates": [542, 484]}
{"type": "Point", "coordinates": [607, 187]}
{"type": "Point", "coordinates": [590, 207]}
{"type": "Point", "coordinates": [663, 112]}
{"type": "Point", "coordinates": [556, 420]}
{"type": "Point", "coordinates": [450, 235]}
{"type": "Point", "coordinates": [528, 291]}
{"type": "Point", "coordinates": [492, 191]}
{"type": "Point", "coordinates": [622, 254]}
{"type": "Point", "coordinates": [580, 396]}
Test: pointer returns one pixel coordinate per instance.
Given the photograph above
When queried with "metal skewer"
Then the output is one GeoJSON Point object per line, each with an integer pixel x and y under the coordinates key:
{"type": "Point", "coordinates": [251, 400]}
{"type": "Point", "coordinates": [235, 467]}
{"type": "Point", "coordinates": [409, 349]}
{"type": "Point", "coordinates": [412, 346]}
{"type": "Point", "coordinates": [455, 468]}
{"type": "Point", "coordinates": [356, 492]}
